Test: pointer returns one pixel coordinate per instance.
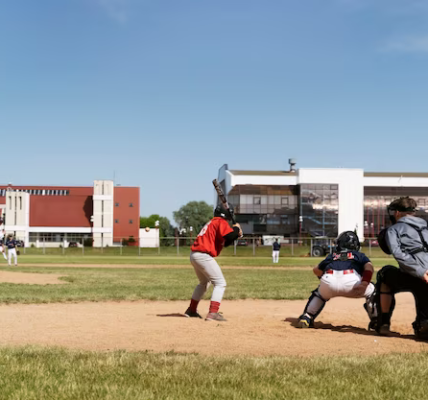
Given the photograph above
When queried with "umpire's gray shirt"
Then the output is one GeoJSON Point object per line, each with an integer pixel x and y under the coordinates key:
{"type": "Point", "coordinates": [402, 238]}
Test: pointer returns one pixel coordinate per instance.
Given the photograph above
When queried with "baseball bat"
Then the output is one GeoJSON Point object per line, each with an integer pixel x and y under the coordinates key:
{"type": "Point", "coordinates": [223, 199]}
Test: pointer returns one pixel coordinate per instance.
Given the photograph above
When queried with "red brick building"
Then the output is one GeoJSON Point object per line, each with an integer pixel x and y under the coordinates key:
{"type": "Point", "coordinates": [58, 214]}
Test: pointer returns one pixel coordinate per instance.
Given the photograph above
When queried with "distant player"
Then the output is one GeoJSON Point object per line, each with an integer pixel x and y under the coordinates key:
{"type": "Point", "coordinates": [2, 243]}
{"type": "Point", "coordinates": [347, 273]}
{"type": "Point", "coordinates": [11, 250]}
{"type": "Point", "coordinates": [275, 251]}
{"type": "Point", "coordinates": [215, 235]}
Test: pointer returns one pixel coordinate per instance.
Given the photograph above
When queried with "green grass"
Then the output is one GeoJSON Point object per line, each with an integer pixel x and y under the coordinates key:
{"type": "Point", "coordinates": [172, 251]}
{"type": "Point", "coordinates": [178, 260]}
{"type": "Point", "coordinates": [99, 284]}
{"type": "Point", "coordinates": [35, 373]}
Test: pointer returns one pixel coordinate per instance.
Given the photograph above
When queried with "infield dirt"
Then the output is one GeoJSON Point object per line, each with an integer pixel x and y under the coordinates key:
{"type": "Point", "coordinates": [254, 327]}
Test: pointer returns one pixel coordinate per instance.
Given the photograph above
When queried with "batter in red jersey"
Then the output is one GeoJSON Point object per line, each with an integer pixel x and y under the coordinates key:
{"type": "Point", "coordinates": [215, 235]}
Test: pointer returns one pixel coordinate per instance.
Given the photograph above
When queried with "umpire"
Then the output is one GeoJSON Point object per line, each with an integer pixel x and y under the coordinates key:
{"type": "Point", "coordinates": [407, 241]}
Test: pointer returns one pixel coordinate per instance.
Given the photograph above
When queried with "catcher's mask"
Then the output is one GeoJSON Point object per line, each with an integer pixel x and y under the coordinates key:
{"type": "Point", "coordinates": [347, 241]}
{"type": "Point", "coordinates": [220, 211]}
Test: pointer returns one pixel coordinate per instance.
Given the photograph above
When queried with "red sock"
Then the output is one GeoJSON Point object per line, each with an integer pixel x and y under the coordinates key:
{"type": "Point", "coordinates": [214, 306]}
{"type": "Point", "coordinates": [193, 305]}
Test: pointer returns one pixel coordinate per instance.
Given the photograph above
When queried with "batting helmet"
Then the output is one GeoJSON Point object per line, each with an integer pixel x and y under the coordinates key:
{"type": "Point", "coordinates": [220, 211]}
{"type": "Point", "coordinates": [348, 241]}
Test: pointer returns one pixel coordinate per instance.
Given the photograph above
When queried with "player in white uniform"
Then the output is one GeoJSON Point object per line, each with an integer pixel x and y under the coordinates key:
{"type": "Point", "coordinates": [11, 250]}
{"type": "Point", "coordinates": [2, 243]}
{"type": "Point", "coordinates": [347, 273]}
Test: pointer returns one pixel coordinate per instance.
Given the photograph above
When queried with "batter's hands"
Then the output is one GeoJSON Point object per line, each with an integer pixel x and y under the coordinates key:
{"type": "Point", "coordinates": [240, 229]}
{"type": "Point", "coordinates": [360, 289]}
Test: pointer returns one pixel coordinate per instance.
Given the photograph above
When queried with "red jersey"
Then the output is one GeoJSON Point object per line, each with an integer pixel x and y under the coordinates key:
{"type": "Point", "coordinates": [210, 239]}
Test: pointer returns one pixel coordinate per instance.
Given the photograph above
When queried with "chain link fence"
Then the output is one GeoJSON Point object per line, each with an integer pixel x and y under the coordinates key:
{"type": "Point", "coordinates": [180, 246]}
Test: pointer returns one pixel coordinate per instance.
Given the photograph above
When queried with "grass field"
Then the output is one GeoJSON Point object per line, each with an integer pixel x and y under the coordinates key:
{"type": "Point", "coordinates": [176, 260]}
{"type": "Point", "coordinates": [97, 284]}
{"type": "Point", "coordinates": [34, 374]}
{"type": "Point", "coordinates": [39, 373]}
{"type": "Point", "coordinates": [173, 251]}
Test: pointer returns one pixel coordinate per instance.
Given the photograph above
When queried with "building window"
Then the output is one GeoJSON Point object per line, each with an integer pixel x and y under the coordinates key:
{"type": "Point", "coordinates": [116, 221]}
{"type": "Point", "coordinates": [130, 221]}
{"type": "Point", "coordinates": [131, 205]}
{"type": "Point", "coordinates": [284, 201]}
{"type": "Point", "coordinates": [117, 205]}
{"type": "Point", "coordinates": [256, 200]}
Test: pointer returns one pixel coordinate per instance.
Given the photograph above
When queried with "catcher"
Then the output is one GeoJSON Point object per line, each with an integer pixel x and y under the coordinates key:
{"type": "Point", "coordinates": [407, 241]}
{"type": "Point", "coordinates": [347, 273]}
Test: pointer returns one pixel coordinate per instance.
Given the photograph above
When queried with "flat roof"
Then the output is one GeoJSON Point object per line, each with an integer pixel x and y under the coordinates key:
{"type": "Point", "coordinates": [265, 173]}
{"type": "Point", "coordinates": [397, 174]}
{"type": "Point", "coordinates": [367, 174]}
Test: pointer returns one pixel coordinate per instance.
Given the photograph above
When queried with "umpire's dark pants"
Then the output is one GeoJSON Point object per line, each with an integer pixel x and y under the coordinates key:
{"type": "Point", "coordinates": [399, 281]}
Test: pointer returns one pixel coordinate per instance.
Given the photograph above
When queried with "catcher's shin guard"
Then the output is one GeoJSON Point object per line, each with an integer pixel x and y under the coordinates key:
{"type": "Point", "coordinates": [315, 305]}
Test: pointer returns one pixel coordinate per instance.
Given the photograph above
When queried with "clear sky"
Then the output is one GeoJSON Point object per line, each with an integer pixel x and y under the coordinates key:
{"type": "Point", "coordinates": [161, 93]}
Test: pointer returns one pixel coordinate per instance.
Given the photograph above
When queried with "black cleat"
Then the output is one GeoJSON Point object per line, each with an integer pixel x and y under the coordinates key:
{"type": "Point", "coordinates": [192, 314]}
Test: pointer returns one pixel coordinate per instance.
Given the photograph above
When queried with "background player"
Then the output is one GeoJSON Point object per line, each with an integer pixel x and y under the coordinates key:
{"type": "Point", "coordinates": [2, 243]}
{"type": "Point", "coordinates": [11, 250]}
{"type": "Point", "coordinates": [215, 235]}
{"type": "Point", "coordinates": [275, 251]}
{"type": "Point", "coordinates": [347, 272]}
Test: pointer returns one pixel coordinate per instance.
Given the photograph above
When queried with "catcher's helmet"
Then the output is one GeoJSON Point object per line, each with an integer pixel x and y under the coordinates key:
{"type": "Point", "coordinates": [347, 241]}
{"type": "Point", "coordinates": [220, 211]}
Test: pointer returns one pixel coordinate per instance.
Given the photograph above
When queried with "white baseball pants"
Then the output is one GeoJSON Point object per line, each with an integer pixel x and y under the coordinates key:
{"type": "Point", "coordinates": [275, 256]}
{"type": "Point", "coordinates": [335, 284]}
{"type": "Point", "coordinates": [12, 253]}
{"type": "Point", "coordinates": [207, 271]}
{"type": "Point", "coordinates": [342, 283]}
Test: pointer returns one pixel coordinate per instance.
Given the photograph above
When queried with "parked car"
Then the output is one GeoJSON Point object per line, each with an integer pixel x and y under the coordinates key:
{"type": "Point", "coordinates": [242, 242]}
{"type": "Point", "coordinates": [72, 244]}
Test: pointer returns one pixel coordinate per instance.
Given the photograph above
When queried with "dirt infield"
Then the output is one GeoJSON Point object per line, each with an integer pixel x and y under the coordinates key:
{"type": "Point", "coordinates": [29, 278]}
{"type": "Point", "coordinates": [255, 327]}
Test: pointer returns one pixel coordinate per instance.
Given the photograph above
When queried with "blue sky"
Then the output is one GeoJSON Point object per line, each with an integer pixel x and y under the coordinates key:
{"type": "Point", "coordinates": [161, 93]}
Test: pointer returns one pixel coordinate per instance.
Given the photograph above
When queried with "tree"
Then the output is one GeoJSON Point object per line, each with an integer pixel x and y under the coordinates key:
{"type": "Point", "coordinates": [165, 227]}
{"type": "Point", "coordinates": [194, 214]}
{"type": "Point", "coordinates": [149, 221]}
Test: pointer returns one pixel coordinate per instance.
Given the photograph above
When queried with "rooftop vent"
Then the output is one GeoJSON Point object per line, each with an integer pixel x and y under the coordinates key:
{"type": "Point", "coordinates": [292, 162]}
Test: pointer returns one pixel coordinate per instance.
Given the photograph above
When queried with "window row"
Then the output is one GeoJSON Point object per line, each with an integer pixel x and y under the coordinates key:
{"type": "Point", "coordinates": [39, 192]}
{"type": "Point", "coordinates": [130, 205]}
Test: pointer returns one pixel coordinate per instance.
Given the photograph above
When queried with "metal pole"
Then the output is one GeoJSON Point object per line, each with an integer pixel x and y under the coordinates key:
{"type": "Point", "coordinates": [178, 246]}
{"type": "Point", "coordinates": [311, 246]}
{"type": "Point", "coordinates": [121, 246]}
{"type": "Point", "coordinates": [292, 246]}
{"type": "Point", "coordinates": [63, 246]}
{"type": "Point", "coordinates": [159, 246]}
{"type": "Point", "coordinates": [254, 247]}
{"type": "Point", "coordinates": [44, 250]}
{"type": "Point", "coordinates": [234, 247]}
{"type": "Point", "coordinates": [139, 247]}
{"type": "Point", "coordinates": [83, 246]}
{"type": "Point", "coordinates": [370, 247]}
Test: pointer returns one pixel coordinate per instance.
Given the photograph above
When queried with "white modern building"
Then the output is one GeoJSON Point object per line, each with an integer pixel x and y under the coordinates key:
{"type": "Point", "coordinates": [318, 201]}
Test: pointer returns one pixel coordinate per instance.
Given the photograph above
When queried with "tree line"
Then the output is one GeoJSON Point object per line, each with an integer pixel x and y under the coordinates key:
{"type": "Point", "coordinates": [194, 214]}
